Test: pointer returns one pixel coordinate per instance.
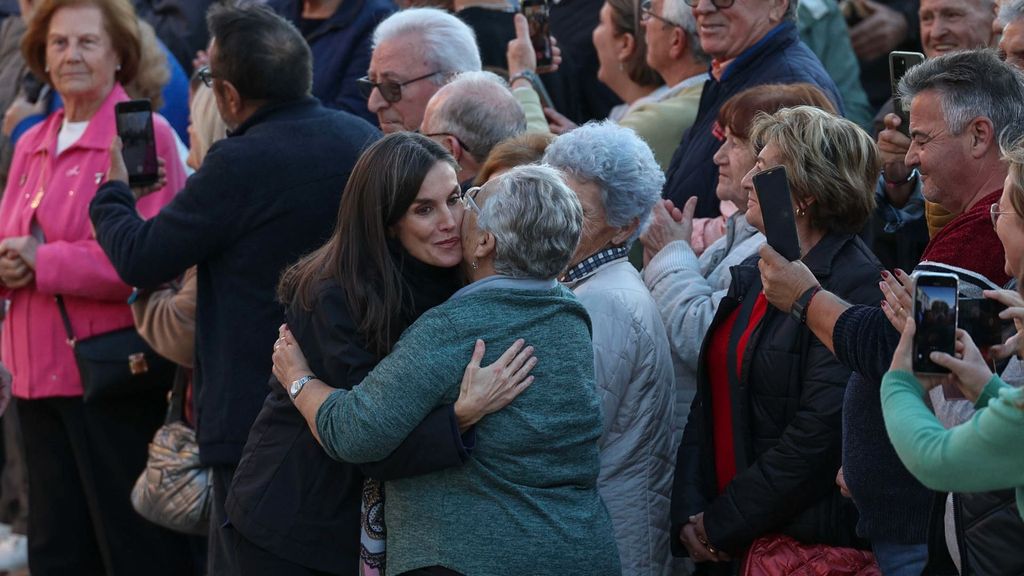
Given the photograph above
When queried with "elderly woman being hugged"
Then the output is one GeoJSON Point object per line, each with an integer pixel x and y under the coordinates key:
{"type": "Point", "coordinates": [762, 444]}
{"type": "Point", "coordinates": [527, 501]}
{"type": "Point", "coordinates": [82, 458]}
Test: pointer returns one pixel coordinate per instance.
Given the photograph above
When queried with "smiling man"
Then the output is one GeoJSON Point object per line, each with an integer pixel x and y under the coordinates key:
{"type": "Point", "coordinates": [415, 52]}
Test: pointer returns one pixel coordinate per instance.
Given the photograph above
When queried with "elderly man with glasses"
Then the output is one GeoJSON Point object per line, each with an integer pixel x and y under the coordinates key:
{"type": "Point", "coordinates": [469, 116]}
{"type": "Point", "coordinates": [415, 52]}
{"type": "Point", "coordinates": [751, 42]}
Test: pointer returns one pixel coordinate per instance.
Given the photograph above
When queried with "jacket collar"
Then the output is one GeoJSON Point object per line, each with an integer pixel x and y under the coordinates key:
{"type": "Point", "coordinates": [819, 260]}
{"type": "Point", "coordinates": [775, 40]}
{"type": "Point", "coordinates": [100, 132]}
{"type": "Point", "coordinates": [274, 109]}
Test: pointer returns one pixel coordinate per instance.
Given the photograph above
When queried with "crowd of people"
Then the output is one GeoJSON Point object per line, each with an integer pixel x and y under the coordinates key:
{"type": "Point", "coordinates": [431, 306]}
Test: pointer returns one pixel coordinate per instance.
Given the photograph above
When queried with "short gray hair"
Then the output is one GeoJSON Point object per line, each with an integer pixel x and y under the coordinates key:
{"type": "Point", "coordinates": [480, 110]}
{"type": "Point", "coordinates": [971, 84]}
{"type": "Point", "coordinates": [447, 42]}
{"type": "Point", "coordinates": [1011, 10]}
{"type": "Point", "coordinates": [619, 162]}
{"type": "Point", "coordinates": [679, 12]}
{"type": "Point", "coordinates": [536, 221]}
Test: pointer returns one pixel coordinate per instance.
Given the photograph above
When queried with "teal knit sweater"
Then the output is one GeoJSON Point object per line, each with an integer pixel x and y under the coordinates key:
{"type": "Point", "coordinates": [984, 453]}
{"type": "Point", "coordinates": [527, 501]}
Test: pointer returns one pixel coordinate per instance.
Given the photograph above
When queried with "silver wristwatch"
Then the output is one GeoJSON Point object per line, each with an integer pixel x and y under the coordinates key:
{"type": "Point", "coordinates": [297, 385]}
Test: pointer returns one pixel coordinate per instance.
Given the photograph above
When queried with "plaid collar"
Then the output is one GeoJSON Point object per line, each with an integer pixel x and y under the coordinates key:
{"type": "Point", "coordinates": [591, 264]}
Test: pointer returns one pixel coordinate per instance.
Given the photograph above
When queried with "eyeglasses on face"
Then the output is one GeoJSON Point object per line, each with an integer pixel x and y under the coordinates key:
{"type": "Point", "coordinates": [468, 198]}
{"type": "Point", "coordinates": [720, 4]}
{"type": "Point", "coordinates": [994, 213]}
{"type": "Point", "coordinates": [389, 89]}
{"type": "Point", "coordinates": [457, 139]}
{"type": "Point", "coordinates": [646, 13]}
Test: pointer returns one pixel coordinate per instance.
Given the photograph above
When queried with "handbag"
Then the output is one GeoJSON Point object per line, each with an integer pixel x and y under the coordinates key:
{"type": "Point", "coordinates": [778, 555]}
{"type": "Point", "coordinates": [116, 364]}
{"type": "Point", "coordinates": [175, 490]}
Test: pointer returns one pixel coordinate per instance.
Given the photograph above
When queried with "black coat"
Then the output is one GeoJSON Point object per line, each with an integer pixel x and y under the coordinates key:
{"type": "Point", "coordinates": [786, 404]}
{"type": "Point", "coordinates": [264, 196]}
{"type": "Point", "coordinates": [288, 496]}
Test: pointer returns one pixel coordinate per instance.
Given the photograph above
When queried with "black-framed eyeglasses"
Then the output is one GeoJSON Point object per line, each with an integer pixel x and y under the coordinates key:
{"type": "Point", "coordinates": [646, 14]}
{"type": "Point", "coordinates": [457, 139]}
{"type": "Point", "coordinates": [468, 198]}
{"type": "Point", "coordinates": [720, 4]}
{"type": "Point", "coordinates": [205, 76]}
{"type": "Point", "coordinates": [389, 89]}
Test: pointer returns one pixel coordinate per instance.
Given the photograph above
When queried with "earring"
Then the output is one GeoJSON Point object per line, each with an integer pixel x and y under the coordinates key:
{"type": "Point", "coordinates": [621, 67]}
{"type": "Point", "coordinates": [474, 264]}
{"type": "Point", "coordinates": [118, 68]}
{"type": "Point", "coordinates": [47, 69]}
{"type": "Point", "coordinates": [801, 212]}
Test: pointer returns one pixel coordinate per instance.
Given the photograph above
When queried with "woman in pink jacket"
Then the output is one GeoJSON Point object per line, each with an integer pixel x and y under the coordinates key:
{"type": "Point", "coordinates": [82, 458]}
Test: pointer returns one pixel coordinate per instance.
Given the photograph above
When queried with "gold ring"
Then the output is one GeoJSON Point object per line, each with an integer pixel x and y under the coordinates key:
{"type": "Point", "coordinates": [711, 548]}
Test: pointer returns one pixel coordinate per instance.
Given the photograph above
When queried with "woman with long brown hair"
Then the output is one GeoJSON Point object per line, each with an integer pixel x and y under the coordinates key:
{"type": "Point", "coordinates": [393, 255]}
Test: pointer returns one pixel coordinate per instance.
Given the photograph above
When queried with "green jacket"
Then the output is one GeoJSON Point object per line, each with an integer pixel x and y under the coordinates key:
{"type": "Point", "coordinates": [527, 500]}
{"type": "Point", "coordinates": [985, 453]}
{"type": "Point", "coordinates": [823, 29]}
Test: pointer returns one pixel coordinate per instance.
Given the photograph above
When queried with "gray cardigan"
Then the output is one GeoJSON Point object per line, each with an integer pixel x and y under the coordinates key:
{"type": "Point", "coordinates": [527, 502]}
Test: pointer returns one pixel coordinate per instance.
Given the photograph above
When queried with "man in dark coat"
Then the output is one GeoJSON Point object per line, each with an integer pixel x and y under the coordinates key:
{"type": "Point", "coordinates": [750, 43]}
{"type": "Point", "coordinates": [264, 196]}
{"type": "Point", "coordinates": [339, 35]}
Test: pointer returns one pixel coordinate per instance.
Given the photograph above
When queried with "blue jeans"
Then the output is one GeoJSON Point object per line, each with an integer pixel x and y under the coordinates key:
{"type": "Point", "coordinates": [900, 559]}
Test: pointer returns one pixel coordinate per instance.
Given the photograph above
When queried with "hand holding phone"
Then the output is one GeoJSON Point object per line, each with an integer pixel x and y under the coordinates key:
{"type": "Point", "coordinates": [935, 315]}
{"type": "Point", "coordinates": [537, 17]}
{"type": "Point", "coordinates": [899, 64]}
{"type": "Point", "coordinates": [775, 199]}
{"type": "Point", "coordinates": [135, 128]}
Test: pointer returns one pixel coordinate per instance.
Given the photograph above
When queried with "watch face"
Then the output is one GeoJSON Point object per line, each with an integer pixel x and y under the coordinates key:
{"type": "Point", "coordinates": [296, 386]}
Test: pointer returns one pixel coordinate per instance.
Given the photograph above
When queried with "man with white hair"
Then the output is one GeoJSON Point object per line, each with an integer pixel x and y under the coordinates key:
{"type": "Point", "coordinates": [469, 116]}
{"type": "Point", "coordinates": [415, 52]}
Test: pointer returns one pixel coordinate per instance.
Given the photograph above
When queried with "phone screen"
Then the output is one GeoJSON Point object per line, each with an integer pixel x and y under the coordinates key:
{"type": "Point", "coordinates": [776, 203]}
{"type": "Point", "coordinates": [135, 127]}
{"type": "Point", "coordinates": [536, 12]}
{"type": "Point", "coordinates": [899, 63]}
{"type": "Point", "coordinates": [935, 313]}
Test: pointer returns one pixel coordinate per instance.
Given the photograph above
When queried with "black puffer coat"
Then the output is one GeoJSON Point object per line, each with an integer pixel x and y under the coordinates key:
{"type": "Point", "coordinates": [786, 406]}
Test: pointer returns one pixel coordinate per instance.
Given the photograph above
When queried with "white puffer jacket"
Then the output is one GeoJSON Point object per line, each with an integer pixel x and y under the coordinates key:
{"type": "Point", "coordinates": [633, 365]}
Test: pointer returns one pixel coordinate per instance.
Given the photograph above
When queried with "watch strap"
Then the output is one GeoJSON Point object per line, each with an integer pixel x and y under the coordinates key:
{"type": "Point", "coordinates": [799, 309]}
{"type": "Point", "coordinates": [296, 386]}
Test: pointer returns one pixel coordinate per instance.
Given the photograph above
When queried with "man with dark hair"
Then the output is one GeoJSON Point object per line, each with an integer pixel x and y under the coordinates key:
{"type": "Point", "coordinates": [263, 197]}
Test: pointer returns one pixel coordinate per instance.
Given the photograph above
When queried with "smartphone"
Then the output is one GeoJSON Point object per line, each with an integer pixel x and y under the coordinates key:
{"type": "Point", "coordinates": [134, 120]}
{"type": "Point", "coordinates": [935, 313]}
{"type": "Point", "coordinates": [536, 12]}
{"type": "Point", "coordinates": [776, 202]}
{"type": "Point", "coordinates": [899, 63]}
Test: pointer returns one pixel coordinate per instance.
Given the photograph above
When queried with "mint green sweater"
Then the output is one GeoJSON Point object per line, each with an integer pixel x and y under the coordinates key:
{"type": "Point", "coordinates": [527, 501]}
{"type": "Point", "coordinates": [984, 453]}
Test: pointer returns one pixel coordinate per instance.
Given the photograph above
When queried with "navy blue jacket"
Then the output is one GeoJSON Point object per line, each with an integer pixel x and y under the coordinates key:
{"type": "Point", "coordinates": [341, 47]}
{"type": "Point", "coordinates": [264, 196]}
{"type": "Point", "coordinates": [778, 58]}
